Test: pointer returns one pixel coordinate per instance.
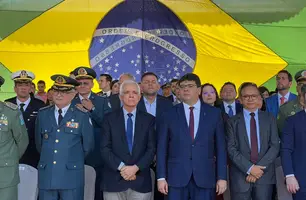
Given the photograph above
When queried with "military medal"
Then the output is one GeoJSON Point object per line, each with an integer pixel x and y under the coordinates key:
{"type": "Point", "coordinates": [292, 113]}
{"type": "Point", "coordinates": [72, 124]}
{"type": "Point", "coordinates": [46, 136]}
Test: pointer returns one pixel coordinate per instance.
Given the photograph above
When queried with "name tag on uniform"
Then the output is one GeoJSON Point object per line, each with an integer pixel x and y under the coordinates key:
{"type": "Point", "coordinates": [72, 124]}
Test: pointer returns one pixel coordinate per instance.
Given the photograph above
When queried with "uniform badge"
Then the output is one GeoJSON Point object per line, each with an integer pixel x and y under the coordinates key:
{"type": "Point", "coordinates": [3, 120]}
{"type": "Point", "coordinates": [46, 136]}
{"type": "Point", "coordinates": [72, 124]}
{"type": "Point", "coordinates": [292, 113]}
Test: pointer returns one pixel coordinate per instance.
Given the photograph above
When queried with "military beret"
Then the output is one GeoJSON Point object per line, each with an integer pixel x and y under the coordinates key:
{"type": "Point", "coordinates": [300, 75]}
{"type": "Point", "coordinates": [22, 76]}
{"type": "Point", "coordinates": [63, 83]}
{"type": "Point", "coordinates": [84, 73]}
{"type": "Point", "coordinates": [2, 80]}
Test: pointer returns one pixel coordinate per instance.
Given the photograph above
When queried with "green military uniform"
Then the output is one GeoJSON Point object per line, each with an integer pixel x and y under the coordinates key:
{"type": "Point", "coordinates": [292, 107]}
{"type": "Point", "coordinates": [13, 143]}
{"type": "Point", "coordinates": [286, 110]}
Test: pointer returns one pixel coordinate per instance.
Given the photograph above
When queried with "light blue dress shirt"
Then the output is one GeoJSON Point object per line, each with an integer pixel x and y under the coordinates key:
{"type": "Point", "coordinates": [247, 119]}
{"type": "Point", "coordinates": [150, 107]}
{"type": "Point", "coordinates": [125, 114]}
{"type": "Point", "coordinates": [196, 113]}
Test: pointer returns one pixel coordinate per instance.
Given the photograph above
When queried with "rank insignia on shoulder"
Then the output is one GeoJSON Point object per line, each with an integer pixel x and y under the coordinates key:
{"type": "Point", "coordinates": [81, 108]}
{"type": "Point", "coordinates": [43, 108]}
{"type": "Point", "coordinates": [11, 105]}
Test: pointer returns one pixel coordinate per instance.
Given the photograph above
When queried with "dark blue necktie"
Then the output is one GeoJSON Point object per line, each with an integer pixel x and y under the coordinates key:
{"type": "Point", "coordinates": [129, 132]}
{"type": "Point", "coordinates": [230, 111]}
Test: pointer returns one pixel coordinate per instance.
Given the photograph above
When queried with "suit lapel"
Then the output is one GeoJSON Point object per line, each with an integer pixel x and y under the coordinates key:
{"type": "Point", "coordinates": [159, 105]}
{"type": "Point", "coordinates": [183, 120]}
{"type": "Point", "coordinates": [262, 124]}
{"type": "Point", "coordinates": [201, 126]}
{"type": "Point", "coordinates": [242, 127]}
{"type": "Point", "coordinates": [137, 131]}
{"type": "Point", "coordinates": [52, 117]}
{"type": "Point", "coordinates": [121, 127]}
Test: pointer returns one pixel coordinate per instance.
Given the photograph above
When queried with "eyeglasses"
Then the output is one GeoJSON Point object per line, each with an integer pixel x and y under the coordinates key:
{"type": "Point", "coordinates": [248, 97]}
{"type": "Point", "coordinates": [56, 92]}
{"type": "Point", "coordinates": [207, 93]}
{"type": "Point", "coordinates": [83, 83]}
{"type": "Point", "coordinates": [189, 86]}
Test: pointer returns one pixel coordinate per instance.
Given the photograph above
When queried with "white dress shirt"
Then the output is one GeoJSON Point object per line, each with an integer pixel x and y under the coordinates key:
{"type": "Point", "coordinates": [26, 103]}
{"type": "Point", "coordinates": [64, 111]}
{"type": "Point", "coordinates": [196, 113]}
{"type": "Point", "coordinates": [280, 96]}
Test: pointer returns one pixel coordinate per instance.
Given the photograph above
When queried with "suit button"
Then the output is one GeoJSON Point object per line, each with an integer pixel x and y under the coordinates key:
{"type": "Point", "coordinates": [58, 130]}
{"type": "Point", "coordinates": [192, 145]}
{"type": "Point", "coordinates": [54, 162]}
{"type": "Point", "coordinates": [56, 141]}
{"type": "Point", "coordinates": [28, 120]}
{"type": "Point", "coordinates": [74, 166]}
{"type": "Point", "coordinates": [55, 151]}
{"type": "Point", "coordinates": [6, 164]}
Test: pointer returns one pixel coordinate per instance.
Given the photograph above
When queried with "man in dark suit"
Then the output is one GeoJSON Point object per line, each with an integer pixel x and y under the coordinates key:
{"type": "Point", "coordinates": [97, 107]}
{"type": "Point", "coordinates": [228, 95]}
{"type": "Point", "coordinates": [128, 147]}
{"type": "Point", "coordinates": [252, 145]}
{"type": "Point", "coordinates": [293, 152]}
{"type": "Point", "coordinates": [114, 99]}
{"type": "Point", "coordinates": [284, 82]}
{"type": "Point", "coordinates": [191, 150]}
{"type": "Point", "coordinates": [154, 104]}
{"type": "Point", "coordinates": [105, 81]}
{"type": "Point", "coordinates": [29, 107]}
{"type": "Point", "coordinates": [151, 102]}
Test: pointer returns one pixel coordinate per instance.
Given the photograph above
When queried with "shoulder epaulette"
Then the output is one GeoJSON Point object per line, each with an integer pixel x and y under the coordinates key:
{"type": "Point", "coordinates": [81, 108]}
{"type": "Point", "coordinates": [43, 108]}
{"type": "Point", "coordinates": [11, 105]}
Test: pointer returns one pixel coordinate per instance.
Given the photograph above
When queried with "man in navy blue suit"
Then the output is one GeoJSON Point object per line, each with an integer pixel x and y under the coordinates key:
{"type": "Point", "coordinates": [128, 147]}
{"type": "Point", "coordinates": [228, 95]}
{"type": "Point", "coordinates": [284, 82]}
{"type": "Point", "coordinates": [293, 153]}
{"type": "Point", "coordinates": [191, 149]}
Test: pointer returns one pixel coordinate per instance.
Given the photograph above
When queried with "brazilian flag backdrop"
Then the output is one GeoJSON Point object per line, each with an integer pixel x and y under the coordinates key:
{"type": "Point", "coordinates": [234, 40]}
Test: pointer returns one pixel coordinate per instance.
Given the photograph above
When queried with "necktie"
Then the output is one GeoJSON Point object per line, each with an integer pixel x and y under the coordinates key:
{"type": "Point", "coordinates": [21, 107]}
{"type": "Point", "coordinates": [282, 99]}
{"type": "Point", "coordinates": [191, 123]}
{"type": "Point", "coordinates": [129, 131]}
{"type": "Point", "coordinates": [60, 116]}
{"type": "Point", "coordinates": [254, 142]}
{"type": "Point", "coordinates": [230, 111]}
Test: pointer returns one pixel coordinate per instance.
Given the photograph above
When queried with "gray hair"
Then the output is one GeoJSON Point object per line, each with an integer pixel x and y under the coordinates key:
{"type": "Point", "coordinates": [128, 82]}
{"type": "Point", "coordinates": [130, 76]}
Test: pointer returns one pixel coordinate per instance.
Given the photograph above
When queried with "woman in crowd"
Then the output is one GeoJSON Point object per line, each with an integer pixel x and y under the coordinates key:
{"type": "Point", "coordinates": [115, 87]}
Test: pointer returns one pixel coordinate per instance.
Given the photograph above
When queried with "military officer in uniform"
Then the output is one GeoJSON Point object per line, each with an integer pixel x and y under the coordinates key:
{"type": "Point", "coordinates": [293, 150]}
{"type": "Point", "coordinates": [97, 107]}
{"type": "Point", "coordinates": [294, 106]}
{"type": "Point", "coordinates": [13, 143]}
{"type": "Point", "coordinates": [64, 137]}
{"type": "Point", "coordinates": [29, 107]}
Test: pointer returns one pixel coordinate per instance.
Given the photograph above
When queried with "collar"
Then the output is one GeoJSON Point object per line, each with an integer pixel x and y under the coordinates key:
{"type": "Point", "coordinates": [246, 113]}
{"type": "Point", "coordinates": [108, 93]}
{"type": "Point", "coordinates": [26, 102]}
{"type": "Point", "coordinates": [226, 104]}
{"type": "Point", "coordinates": [197, 106]}
{"type": "Point", "coordinates": [147, 101]}
{"type": "Point", "coordinates": [286, 96]}
{"type": "Point", "coordinates": [81, 98]}
{"type": "Point", "coordinates": [125, 112]}
{"type": "Point", "coordinates": [64, 110]}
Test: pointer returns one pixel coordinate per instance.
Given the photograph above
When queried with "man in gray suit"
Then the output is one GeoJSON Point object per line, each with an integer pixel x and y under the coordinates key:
{"type": "Point", "coordinates": [253, 145]}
